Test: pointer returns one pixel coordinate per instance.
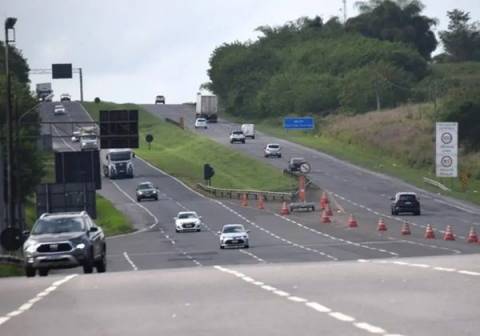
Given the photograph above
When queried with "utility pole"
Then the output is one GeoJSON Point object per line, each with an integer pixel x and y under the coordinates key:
{"type": "Point", "coordinates": [9, 24]}
{"type": "Point", "coordinates": [345, 11]}
{"type": "Point", "coordinates": [81, 84]}
{"type": "Point", "coordinates": [377, 94]}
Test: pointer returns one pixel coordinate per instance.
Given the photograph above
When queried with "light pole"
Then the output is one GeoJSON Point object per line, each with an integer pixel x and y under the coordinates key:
{"type": "Point", "coordinates": [9, 26]}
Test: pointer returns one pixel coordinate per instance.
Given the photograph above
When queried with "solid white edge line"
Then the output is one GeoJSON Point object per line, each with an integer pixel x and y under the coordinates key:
{"type": "Point", "coordinates": [125, 254]}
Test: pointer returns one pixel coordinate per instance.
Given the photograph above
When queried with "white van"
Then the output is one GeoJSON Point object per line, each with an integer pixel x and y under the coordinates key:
{"type": "Point", "coordinates": [248, 130]}
{"type": "Point", "coordinates": [117, 163]}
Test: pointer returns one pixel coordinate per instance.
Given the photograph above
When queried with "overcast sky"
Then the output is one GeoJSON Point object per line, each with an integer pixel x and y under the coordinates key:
{"type": "Point", "coordinates": [131, 51]}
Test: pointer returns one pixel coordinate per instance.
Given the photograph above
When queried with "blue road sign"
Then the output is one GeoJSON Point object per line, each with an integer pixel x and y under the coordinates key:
{"type": "Point", "coordinates": [298, 123]}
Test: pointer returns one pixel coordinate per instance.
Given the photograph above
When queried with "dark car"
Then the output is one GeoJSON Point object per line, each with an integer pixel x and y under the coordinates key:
{"type": "Point", "coordinates": [405, 202]}
{"type": "Point", "coordinates": [298, 164]}
{"type": "Point", "coordinates": [146, 190]}
{"type": "Point", "coordinates": [64, 240]}
{"type": "Point", "coordinates": [159, 100]}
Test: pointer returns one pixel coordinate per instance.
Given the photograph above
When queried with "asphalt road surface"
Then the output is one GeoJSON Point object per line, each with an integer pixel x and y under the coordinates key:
{"type": "Point", "coordinates": [299, 276]}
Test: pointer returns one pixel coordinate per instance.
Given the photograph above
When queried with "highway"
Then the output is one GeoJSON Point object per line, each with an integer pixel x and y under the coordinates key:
{"type": "Point", "coordinates": [299, 276]}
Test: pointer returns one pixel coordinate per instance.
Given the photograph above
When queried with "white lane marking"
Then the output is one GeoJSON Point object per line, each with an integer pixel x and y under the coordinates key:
{"type": "Point", "coordinates": [425, 266]}
{"type": "Point", "coordinates": [130, 261]}
{"type": "Point", "coordinates": [65, 142]}
{"type": "Point", "coordinates": [278, 237]}
{"type": "Point", "coordinates": [432, 246]}
{"type": "Point", "coordinates": [342, 317]}
{"type": "Point", "coordinates": [310, 304]}
{"type": "Point", "coordinates": [336, 238]}
{"type": "Point", "coordinates": [297, 299]}
{"type": "Point", "coordinates": [253, 256]}
{"type": "Point", "coordinates": [368, 327]}
{"type": "Point", "coordinates": [26, 306]}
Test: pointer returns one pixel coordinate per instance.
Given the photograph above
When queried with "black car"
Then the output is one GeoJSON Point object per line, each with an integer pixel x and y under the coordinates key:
{"type": "Point", "coordinates": [405, 202]}
{"type": "Point", "coordinates": [64, 240]}
{"type": "Point", "coordinates": [298, 164]}
{"type": "Point", "coordinates": [146, 190]}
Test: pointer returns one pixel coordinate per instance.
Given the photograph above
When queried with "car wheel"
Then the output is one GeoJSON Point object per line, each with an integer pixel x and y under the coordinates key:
{"type": "Point", "coordinates": [394, 213]}
{"type": "Point", "coordinates": [198, 230]}
{"type": "Point", "coordinates": [222, 247]}
{"type": "Point", "coordinates": [88, 264]}
{"type": "Point", "coordinates": [30, 271]}
{"type": "Point", "coordinates": [101, 265]}
{"type": "Point", "coordinates": [139, 199]}
{"type": "Point", "coordinates": [417, 213]}
{"type": "Point", "coordinates": [280, 156]}
{"type": "Point", "coordinates": [177, 230]}
{"type": "Point", "coordinates": [247, 246]}
{"type": "Point", "coordinates": [43, 272]}
{"type": "Point", "coordinates": [243, 141]}
{"type": "Point", "coordinates": [231, 142]}
{"type": "Point", "coordinates": [156, 198]}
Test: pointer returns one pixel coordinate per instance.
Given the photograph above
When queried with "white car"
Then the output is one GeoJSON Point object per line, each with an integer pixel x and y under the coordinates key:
{"type": "Point", "coordinates": [187, 221]}
{"type": "Point", "coordinates": [201, 123]}
{"type": "Point", "coordinates": [237, 136]}
{"type": "Point", "coordinates": [58, 110]}
{"type": "Point", "coordinates": [234, 235]}
{"type": "Point", "coordinates": [273, 150]}
{"type": "Point", "coordinates": [88, 142]}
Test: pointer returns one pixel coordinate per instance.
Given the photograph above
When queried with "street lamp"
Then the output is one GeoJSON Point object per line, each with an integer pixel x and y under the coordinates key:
{"type": "Point", "coordinates": [9, 26]}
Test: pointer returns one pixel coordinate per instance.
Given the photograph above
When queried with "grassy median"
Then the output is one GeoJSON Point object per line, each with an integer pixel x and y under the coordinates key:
{"type": "Point", "coordinates": [10, 270]}
{"type": "Point", "coordinates": [183, 153]}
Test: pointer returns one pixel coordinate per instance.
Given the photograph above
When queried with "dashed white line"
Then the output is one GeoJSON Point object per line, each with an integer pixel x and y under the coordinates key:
{"type": "Point", "coordinates": [425, 266]}
{"type": "Point", "coordinates": [26, 306]}
{"type": "Point", "coordinates": [130, 261]}
{"type": "Point", "coordinates": [310, 304]}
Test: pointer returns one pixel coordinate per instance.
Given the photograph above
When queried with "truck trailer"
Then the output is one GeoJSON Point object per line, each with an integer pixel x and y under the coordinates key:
{"type": "Point", "coordinates": [207, 107]}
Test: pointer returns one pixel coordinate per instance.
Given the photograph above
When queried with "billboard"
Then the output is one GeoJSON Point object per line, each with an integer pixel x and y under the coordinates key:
{"type": "Point", "coordinates": [78, 167]}
{"type": "Point", "coordinates": [119, 129]}
{"type": "Point", "coordinates": [60, 71]}
{"type": "Point", "coordinates": [304, 123]}
{"type": "Point", "coordinates": [446, 149]}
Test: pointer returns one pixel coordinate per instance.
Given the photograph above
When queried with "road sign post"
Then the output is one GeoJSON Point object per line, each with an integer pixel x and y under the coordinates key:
{"type": "Point", "coordinates": [446, 149]}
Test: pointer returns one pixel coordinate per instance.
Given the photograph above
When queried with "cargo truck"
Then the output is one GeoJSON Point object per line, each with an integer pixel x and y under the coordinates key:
{"type": "Point", "coordinates": [117, 163]}
{"type": "Point", "coordinates": [206, 107]}
{"type": "Point", "coordinates": [44, 91]}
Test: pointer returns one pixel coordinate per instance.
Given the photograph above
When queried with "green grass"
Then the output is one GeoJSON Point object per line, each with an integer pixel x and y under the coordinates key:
{"type": "Point", "coordinates": [183, 153]}
{"type": "Point", "coordinates": [371, 158]}
{"type": "Point", "coordinates": [110, 219]}
{"type": "Point", "coordinates": [10, 270]}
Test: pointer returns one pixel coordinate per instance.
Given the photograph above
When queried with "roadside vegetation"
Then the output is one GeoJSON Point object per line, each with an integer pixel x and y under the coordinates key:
{"type": "Point", "coordinates": [10, 270]}
{"type": "Point", "coordinates": [339, 73]}
{"type": "Point", "coordinates": [183, 153]}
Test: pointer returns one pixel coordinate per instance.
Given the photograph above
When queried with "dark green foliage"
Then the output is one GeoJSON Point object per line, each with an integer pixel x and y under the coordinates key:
{"type": "Point", "coordinates": [462, 39]}
{"type": "Point", "coordinates": [396, 21]}
{"type": "Point", "coordinates": [463, 106]}
{"type": "Point", "coordinates": [97, 100]}
{"type": "Point", "coordinates": [308, 66]}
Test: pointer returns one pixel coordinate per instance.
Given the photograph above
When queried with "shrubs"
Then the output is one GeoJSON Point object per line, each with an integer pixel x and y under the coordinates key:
{"type": "Point", "coordinates": [97, 100]}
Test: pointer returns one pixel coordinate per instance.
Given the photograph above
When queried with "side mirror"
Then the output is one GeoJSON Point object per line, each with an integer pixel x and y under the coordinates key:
{"type": "Point", "coordinates": [26, 233]}
{"type": "Point", "coordinates": [392, 198]}
{"type": "Point", "coordinates": [219, 233]}
{"type": "Point", "coordinates": [174, 218]}
{"type": "Point", "coordinates": [199, 217]}
{"type": "Point", "coordinates": [133, 154]}
{"type": "Point", "coordinates": [93, 229]}
{"type": "Point", "coordinates": [248, 231]}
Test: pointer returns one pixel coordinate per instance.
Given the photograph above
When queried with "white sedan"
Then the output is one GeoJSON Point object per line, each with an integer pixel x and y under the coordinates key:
{"type": "Point", "coordinates": [187, 221]}
{"type": "Point", "coordinates": [201, 123]}
{"type": "Point", "coordinates": [234, 235]}
{"type": "Point", "coordinates": [58, 109]}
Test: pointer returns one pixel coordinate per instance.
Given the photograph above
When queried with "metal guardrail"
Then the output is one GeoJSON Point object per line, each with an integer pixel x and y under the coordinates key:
{"type": "Point", "coordinates": [251, 194]}
{"type": "Point", "coordinates": [11, 260]}
{"type": "Point", "coordinates": [435, 184]}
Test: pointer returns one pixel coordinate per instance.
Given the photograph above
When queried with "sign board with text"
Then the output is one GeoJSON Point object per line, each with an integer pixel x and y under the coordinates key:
{"type": "Point", "coordinates": [446, 149]}
{"type": "Point", "coordinates": [304, 123]}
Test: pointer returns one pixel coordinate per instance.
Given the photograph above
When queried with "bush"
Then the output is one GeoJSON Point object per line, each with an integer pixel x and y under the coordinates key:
{"type": "Point", "coordinates": [97, 100]}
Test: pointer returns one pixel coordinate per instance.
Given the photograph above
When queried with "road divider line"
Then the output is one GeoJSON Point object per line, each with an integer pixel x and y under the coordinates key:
{"type": "Point", "coordinates": [135, 268]}
{"type": "Point", "coordinates": [27, 306]}
{"type": "Point", "coordinates": [424, 266]}
{"type": "Point", "coordinates": [306, 303]}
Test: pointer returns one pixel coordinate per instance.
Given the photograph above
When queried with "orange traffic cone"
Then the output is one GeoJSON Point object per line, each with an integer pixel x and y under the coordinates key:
{"type": "Point", "coordinates": [381, 225]}
{"type": "Point", "coordinates": [324, 200]}
{"type": "Point", "coordinates": [328, 210]}
{"type": "Point", "coordinates": [472, 236]}
{"type": "Point", "coordinates": [284, 211]}
{"type": "Point", "coordinates": [448, 234]}
{"type": "Point", "coordinates": [325, 217]}
{"type": "Point", "coordinates": [244, 200]}
{"type": "Point", "coordinates": [352, 222]}
{"type": "Point", "coordinates": [429, 234]}
{"type": "Point", "coordinates": [260, 202]}
{"type": "Point", "coordinates": [406, 229]}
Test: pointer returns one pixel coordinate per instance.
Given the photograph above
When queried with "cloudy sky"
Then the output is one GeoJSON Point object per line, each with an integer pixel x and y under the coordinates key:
{"type": "Point", "coordinates": [131, 51]}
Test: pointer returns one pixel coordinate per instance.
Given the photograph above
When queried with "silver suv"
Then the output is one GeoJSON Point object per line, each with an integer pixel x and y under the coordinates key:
{"type": "Point", "coordinates": [64, 240]}
{"type": "Point", "coordinates": [237, 136]}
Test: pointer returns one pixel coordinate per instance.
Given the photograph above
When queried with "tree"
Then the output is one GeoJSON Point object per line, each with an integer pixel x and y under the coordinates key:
{"type": "Point", "coordinates": [396, 21]}
{"type": "Point", "coordinates": [462, 39]}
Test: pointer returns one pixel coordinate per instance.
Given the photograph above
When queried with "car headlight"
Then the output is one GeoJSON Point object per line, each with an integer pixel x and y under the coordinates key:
{"type": "Point", "coordinates": [31, 248]}
{"type": "Point", "coordinates": [80, 246]}
{"type": "Point", "coordinates": [140, 192]}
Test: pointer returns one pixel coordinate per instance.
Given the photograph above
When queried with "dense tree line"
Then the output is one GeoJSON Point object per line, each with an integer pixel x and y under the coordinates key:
{"type": "Point", "coordinates": [310, 66]}
{"type": "Point", "coordinates": [29, 165]}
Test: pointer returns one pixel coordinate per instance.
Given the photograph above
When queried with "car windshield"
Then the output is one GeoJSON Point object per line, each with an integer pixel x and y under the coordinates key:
{"type": "Point", "coordinates": [201, 120]}
{"type": "Point", "coordinates": [59, 107]}
{"type": "Point", "coordinates": [233, 229]}
{"type": "Point", "coordinates": [237, 132]}
{"type": "Point", "coordinates": [142, 186]}
{"type": "Point", "coordinates": [273, 146]}
{"type": "Point", "coordinates": [408, 198]}
{"type": "Point", "coordinates": [120, 156]}
{"type": "Point", "coordinates": [58, 225]}
{"type": "Point", "coordinates": [187, 215]}
{"type": "Point", "coordinates": [89, 137]}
